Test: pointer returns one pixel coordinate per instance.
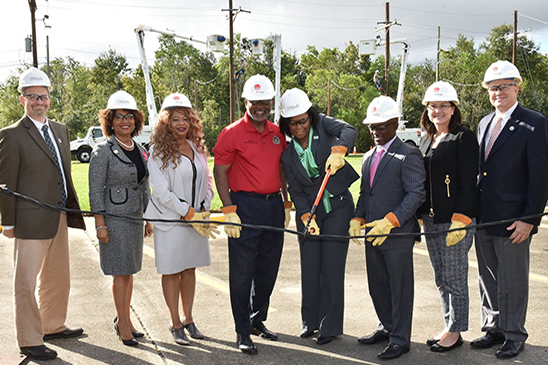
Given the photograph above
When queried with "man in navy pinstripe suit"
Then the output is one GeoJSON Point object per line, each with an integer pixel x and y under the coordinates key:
{"type": "Point", "coordinates": [392, 189]}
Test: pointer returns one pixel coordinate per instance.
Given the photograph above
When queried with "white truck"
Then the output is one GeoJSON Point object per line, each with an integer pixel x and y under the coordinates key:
{"type": "Point", "coordinates": [82, 147]}
{"type": "Point", "coordinates": [411, 136]}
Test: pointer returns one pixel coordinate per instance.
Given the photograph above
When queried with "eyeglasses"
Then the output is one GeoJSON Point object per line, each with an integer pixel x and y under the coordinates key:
{"type": "Point", "coordinates": [381, 127]}
{"type": "Point", "coordinates": [36, 97]}
{"type": "Point", "coordinates": [119, 117]}
{"type": "Point", "coordinates": [442, 107]}
{"type": "Point", "coordinates": [260, 102]}
{"type": "Point", "coordinates": [301, 122]}
{"type": "Point", "coordinates": [501, 87]}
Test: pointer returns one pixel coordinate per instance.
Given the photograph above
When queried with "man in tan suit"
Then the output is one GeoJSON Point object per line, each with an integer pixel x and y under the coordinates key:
{"type": "Point", "coordinates": [35, 161]}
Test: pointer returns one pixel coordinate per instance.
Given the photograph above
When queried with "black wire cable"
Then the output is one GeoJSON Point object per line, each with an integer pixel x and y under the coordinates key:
{"type": "Point", "coordinates": [7, 191]}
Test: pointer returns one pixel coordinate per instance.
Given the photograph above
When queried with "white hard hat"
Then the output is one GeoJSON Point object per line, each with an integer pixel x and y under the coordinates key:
{"type": "Point", "coordinates": [381, 109]}
{"type": "Point", "coordinates": [258, 87]}
{"type": "Point", "coordinates": [121, 100]}
{"type": "Point", "coordinates": [441, 91]}
{"type": "Point", "coordinates": [176, 100]}
{"type": "Point", "coordinates": [33, 77]}
{"type": "Point", "coordinates": [294, 102]}
{"type": "Point", "coordinates": [501, 70]}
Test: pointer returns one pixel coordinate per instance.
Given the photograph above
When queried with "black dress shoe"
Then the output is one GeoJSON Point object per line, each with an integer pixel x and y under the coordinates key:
{"type": "Point", "coordinates": [131, 342]}
{"type": "Point", "coordinates": [260, 330]}
{"type": "Point", "coordinates": [392, 351]}
{"type": "Point", "coordinates": [307, 333]}
{"type": "Point", "coordinates": [439, 348]}
{"type": "Point", "coordinates": [41, 352]}
{"type": "Point", "coordinates": [322, 340]}
{"type": "Point", "coordinates": [245, 344]}
{"type": "Point", "coordinates": [432, 341]}
{"type": "Point", "coordinates": [135, 334]}
{"type": "Point", "coordinates": [487, 341]}
{"type": "Point", "coordinates": [375, 337]}
{"type": "Point", "coordinates": [193, 331]}
{"type": "Point", "coordinates": [510, 348]}
{"type": "Point", "coordinates": [179, 335]}
{"type": "Point", "coordinates": [67, 333]}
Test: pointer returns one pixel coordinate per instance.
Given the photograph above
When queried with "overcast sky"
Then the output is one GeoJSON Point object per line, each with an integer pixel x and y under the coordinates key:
{"type": "Point", "coordinates": [85, 28]}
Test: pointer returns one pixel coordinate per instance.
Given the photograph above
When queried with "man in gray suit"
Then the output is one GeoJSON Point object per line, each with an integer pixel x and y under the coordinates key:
{"type": "Point", "coordinates": [35, 161]}
{"type": "Point", "coordinates": [392, 189]}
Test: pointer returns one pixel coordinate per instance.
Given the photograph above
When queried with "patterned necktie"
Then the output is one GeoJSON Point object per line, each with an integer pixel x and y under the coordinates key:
{"type": "Point", "coordinates": [373, 168]}
{"type": "Point", "coordinates": [51, 147]}
{"type": "Point", "coordinates": [494, 134]}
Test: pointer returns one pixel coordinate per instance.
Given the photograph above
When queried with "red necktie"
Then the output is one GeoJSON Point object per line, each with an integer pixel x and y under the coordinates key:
{"type": "Point", "coordinates": [494, 134]}
{"type": "Point", "coordinates": [374, 165]}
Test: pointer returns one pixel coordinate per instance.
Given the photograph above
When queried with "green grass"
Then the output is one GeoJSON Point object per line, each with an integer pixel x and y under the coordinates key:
{"type": "Point", "coordinates": [80, 178]}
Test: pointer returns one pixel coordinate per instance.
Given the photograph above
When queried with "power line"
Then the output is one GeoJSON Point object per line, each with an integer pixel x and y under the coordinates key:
{"type": "Point", "coordinates": [536, 20]}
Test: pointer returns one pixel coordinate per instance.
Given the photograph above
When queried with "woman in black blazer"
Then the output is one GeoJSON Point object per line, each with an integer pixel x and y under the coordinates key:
{"type": "Point", "coordinates": [319, 142]}
{"type": "Point", "coordinates": [450, 153]}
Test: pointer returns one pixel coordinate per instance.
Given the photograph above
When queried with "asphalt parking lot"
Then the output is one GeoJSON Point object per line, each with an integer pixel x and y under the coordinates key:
{"type": "Point", "coordinates": [91, 307]}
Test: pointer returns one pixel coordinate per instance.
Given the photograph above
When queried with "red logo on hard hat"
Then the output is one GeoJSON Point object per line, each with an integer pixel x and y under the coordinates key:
{"type": "Point", "coordinates": [257, 87]}
{"type": "Point", "coordinates": [436, 89]}
{"type": "Point", "coordinates": [175, 98]}
{"type": "Point", "coordinates": [374, 109]}
{"type": "Point", "coordinates": [495, 68]}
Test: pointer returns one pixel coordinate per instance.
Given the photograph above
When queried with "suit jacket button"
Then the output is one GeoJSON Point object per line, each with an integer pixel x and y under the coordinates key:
{"type": "Point", "coordinates": [484, 173]}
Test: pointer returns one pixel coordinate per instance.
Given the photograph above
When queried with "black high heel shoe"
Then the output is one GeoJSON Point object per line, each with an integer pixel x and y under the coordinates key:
{"type": "Point", "coordinates": [135, 334]}
{"type": "Point", "coordinates": [131, 342]}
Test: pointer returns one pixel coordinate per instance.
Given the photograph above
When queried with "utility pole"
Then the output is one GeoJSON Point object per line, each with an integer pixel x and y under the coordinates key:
{"type": "Point", "coordinates": [32, 6]}
{"type": "Point", "coordinates": [196, 95]}
{"type": "Point", "coordinates": [47, 54]}
{"type": "Point", "coordinates": [387, 60]}
{"type": "Point", "coordinates": [232, 13]}
{"type": "Point", "coordinates": [514, 48]}
{"type": "Point", "coordinates": [329, 99]}
{"type": "Point", "coordinates": [438, 55]}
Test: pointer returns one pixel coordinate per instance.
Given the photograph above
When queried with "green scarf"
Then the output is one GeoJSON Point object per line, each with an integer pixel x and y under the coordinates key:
{"type": "Point", "coordinates": [307, 159]}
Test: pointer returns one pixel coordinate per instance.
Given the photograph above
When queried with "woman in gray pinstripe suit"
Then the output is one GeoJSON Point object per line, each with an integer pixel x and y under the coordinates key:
{"type": "Point", "coordinates": [450, 153]}
{"type": "Point", "coordinates": [118, 183]}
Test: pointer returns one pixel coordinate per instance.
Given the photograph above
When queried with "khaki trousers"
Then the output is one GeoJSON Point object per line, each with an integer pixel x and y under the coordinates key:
{"type": "Point", "coordinates": [42, 265]}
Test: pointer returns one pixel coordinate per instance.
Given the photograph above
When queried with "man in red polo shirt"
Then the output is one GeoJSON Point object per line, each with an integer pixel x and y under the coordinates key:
{"type": "Point", "coordinates": [251, 186]}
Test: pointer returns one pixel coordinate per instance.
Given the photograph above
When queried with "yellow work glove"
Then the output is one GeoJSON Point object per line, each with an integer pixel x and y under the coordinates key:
{"type": "Point", "coordinates": [336, 160]}
{"type": "Point", "coordinates": [212, 231]}
{"type": "Point", "coordinates": [313, 228]}
{"type": "Point", "coordinates": [201, 228]}
{"type": "Point", "coordinates": [356, 229]}
{"type": "Point", "coordinates": [231, 216]}
{"type": "Point", "coordinates": [457, 221]}
{"type": "Point", "coordinates": [287, 211]}
{"type": "Point", "coordinates": [382, 226]}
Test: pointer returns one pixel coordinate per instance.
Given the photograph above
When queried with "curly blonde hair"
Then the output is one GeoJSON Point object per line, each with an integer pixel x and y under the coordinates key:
{"type": "Point", "coordinates": [164, 141]}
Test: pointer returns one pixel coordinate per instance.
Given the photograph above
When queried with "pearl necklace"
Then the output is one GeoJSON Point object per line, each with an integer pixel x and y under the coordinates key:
{"type": "Point", "coordinates": [130, 147]}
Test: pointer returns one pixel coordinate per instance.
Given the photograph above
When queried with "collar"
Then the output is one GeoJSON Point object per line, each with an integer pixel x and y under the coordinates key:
{"type": "Point", "coordinates": [38, 124]}
{"type": "Point", "coordinates": [507, 114]}
{"type": "Point", "coordinates": [386, 146]}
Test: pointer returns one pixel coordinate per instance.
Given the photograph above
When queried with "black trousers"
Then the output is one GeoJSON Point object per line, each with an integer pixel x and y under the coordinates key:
{"type": "Point", "coordinates": [254, 259]}
{"type": "Point", "coordinates": [323, 265]}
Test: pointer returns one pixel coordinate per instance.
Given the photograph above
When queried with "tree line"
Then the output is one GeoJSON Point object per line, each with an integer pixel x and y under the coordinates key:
{"type": "Point", "coordinates": [80, 91]}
